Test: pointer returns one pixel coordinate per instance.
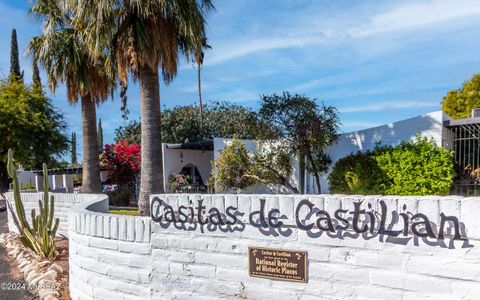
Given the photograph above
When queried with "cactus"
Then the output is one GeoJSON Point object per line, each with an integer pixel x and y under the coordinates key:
{"type": "Point", "coordinates": [40, 236]}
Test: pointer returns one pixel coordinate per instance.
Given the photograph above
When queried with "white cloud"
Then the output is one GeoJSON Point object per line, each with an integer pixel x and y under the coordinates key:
{"type": "Point", "coordinates": [244, 48]}
{"type": "Point", "coordinates": [380, 106]}
{"type": "Point", "coordinates": [407, 16]}
{"type": "Point", "coordinates": [419, 14]}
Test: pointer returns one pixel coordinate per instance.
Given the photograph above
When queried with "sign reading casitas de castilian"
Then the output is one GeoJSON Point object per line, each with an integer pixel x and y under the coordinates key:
{"type": "Point", "coordinates": [362, 219]}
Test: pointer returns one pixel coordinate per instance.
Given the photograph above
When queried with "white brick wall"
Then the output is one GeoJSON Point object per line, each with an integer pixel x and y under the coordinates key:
{"type": "Point", "coordinates": [63, 203]}
{"type": "Point", "coordinates": [213, 264]}
{"type": "Point", "coordinates": [124, 257]}
{"type": "Point", "coordinates": [110, 255]}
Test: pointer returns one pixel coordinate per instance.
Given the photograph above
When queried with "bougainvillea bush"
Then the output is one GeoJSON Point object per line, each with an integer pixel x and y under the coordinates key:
{"type": "Point", "coordinates": [123, 160]}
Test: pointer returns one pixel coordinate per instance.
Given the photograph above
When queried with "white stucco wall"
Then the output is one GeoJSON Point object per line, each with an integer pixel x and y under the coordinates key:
{"type": "Point", "coordinates": [25, 178]}
{"type": "Point", "coordinates": [127, 257]}
{"type": "Point", "coordinates": [63, 203]}
{"type": "Point", "coordinates": [220, 143]}
{"type": "Point", "coordinates": [175, 159]}
{"type": "Point", "coordinates": [430, 125]}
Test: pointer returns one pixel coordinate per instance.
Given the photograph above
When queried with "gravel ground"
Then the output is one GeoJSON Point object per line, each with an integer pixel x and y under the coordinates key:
{"type": "Point", "coordinates": [12, 286]}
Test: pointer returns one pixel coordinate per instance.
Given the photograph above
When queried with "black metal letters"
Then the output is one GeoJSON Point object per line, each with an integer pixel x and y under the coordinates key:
{"type": "Point", "coordinates": [360, 220]}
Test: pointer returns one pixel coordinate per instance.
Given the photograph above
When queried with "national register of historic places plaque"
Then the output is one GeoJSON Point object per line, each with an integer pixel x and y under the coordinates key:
{"type": "Point", "coordinates": [277, 264]}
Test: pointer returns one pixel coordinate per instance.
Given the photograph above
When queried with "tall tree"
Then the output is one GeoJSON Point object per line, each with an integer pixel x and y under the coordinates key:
{"type": "Point", "coordinates": [142, 41]}
{"type": "Point", "coordinates": [100, 135]}
{"type": "Point", "coordinates": [73, 144]}
{"type": "Point", "coordinates": [15, 73]}
{"type": "Point", "coordinates": [31, 126]}
{"type": "Point", "coordinates": [130, 132]}
{"type": "Point", "coordinates": [304, 127]}
{"type": "Point", "coordinates": [63, 52]}
{"type": "Point", "coordinates": [36, 80]}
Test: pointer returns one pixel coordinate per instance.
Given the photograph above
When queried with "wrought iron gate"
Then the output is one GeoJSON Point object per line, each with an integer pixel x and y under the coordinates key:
{"type": "Point", "coordinates": [466, 145]}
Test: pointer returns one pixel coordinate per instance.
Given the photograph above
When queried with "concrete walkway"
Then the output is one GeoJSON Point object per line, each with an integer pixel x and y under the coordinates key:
{"type": "Point", "coordinates": [11, 287]}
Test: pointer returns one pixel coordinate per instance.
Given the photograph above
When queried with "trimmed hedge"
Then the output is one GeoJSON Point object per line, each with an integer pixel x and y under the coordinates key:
{"type": "Point", "coordinates": [418, 167]}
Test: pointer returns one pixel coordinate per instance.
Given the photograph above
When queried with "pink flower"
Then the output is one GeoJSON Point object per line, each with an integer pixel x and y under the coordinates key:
{"type": "Point", "coordinates": [180, 180]}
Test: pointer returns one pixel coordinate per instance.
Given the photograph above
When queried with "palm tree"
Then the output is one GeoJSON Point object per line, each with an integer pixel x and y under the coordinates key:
{"type": "Point", "coordinates": [199, 60]}
{"type": "Point", "coordinates": [61, 50]}
{"type": "Point", "coordinates": [144, 36]}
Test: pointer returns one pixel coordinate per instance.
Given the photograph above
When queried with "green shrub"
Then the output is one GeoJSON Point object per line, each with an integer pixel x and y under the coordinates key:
{"type": "Point", "coordinates": [231, 166]}
{"type": "Point", "coordinates": [357, 174]}
{"type": "Point", "coordinates": [28, 186]}
{"type": "Point", "coordinates": [418, 167]}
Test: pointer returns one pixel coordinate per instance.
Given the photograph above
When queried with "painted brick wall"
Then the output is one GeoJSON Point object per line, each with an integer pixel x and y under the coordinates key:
{"type": "Point", "coordinates": [124, 257]}
{"type": "Point", "coordinates": [213, 263]}
{"type": "Point", "coordinates": [109, 255]}
{"type": "Point", "coordinates": [63, 203]}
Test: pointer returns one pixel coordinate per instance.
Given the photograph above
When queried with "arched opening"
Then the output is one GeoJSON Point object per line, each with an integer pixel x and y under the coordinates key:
{"type": "Point", "coordinates": [192, 171]}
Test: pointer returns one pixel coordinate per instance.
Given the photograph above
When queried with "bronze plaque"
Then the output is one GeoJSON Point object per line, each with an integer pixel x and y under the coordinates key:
{"type": "Point", "coordinates": [277, 264]}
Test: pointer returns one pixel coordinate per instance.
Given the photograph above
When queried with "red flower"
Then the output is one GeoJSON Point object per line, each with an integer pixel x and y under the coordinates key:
{"type": "Point", "coordinates": [123, 160]}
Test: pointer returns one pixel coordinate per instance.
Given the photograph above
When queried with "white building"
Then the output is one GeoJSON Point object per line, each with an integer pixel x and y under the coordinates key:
{"type": "Point", "coordinates": [195, 159]}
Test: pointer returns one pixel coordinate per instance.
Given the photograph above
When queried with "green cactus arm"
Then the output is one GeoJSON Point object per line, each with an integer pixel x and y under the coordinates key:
{"type": "Point", "coordinates": [36, 225]}
{"type": "Point", "coordinates": [20, 210]}
{"type": "Point", "coordinates": [55, 227]}
{"type": "Point", "coordinates": [35, 246]}
{"type": "Point", "coordinates": [10, 166]}
{"type": "Point", "coordinates": [39, 238]}
{"type": "Point", "coordinates": [27, 242]}
{"type": "Point", "coordinates": [51, 211]}
{"type": "Point", "coordinates": [45, 181]}
{"type": "Point", "coordinates": [52, 250]}
{"type": "Point", "coordinates": [45, 237]}
{"type": "Point", "coordinates": [40, 208]}
{"type": "Point", "coordinates": [34, 220]}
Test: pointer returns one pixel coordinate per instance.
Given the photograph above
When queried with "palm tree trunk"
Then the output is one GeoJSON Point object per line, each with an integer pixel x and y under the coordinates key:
{"type": "Point", "coordinates": [200, 98]}
{"type": "Point", "coordinates": [151, 174]}
{"type": "Point", "coordinates": [91, 182]}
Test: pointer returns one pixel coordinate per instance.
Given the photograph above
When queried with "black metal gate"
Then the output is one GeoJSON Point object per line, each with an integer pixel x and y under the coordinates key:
{"type": "Point", "coordinates": [466, 145]}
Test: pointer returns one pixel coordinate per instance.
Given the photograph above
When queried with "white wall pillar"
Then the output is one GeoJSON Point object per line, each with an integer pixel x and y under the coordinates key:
{"type": "Point", "coordinates": [39, 183]}
{"type": "Point", "coordinates": [68, 182]}
{"type": "Point", "coordinates": [57, 182]}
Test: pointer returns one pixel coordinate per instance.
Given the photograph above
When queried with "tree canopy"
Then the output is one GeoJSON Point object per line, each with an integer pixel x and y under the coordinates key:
{"type": "Point", "coordinates": [236, 168]}
{"type": "Point", "coordinates": [459, 103]}
{"type": "Point", "coordinates": [305, 128]}
{"type": "Point", "coordinates": [182, 124]}
{"type": "Point", "coordinates": [29, 125]}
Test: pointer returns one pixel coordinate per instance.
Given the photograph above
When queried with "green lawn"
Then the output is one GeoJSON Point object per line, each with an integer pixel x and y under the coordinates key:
{"type": "Point", "coordinates": [130, 212]}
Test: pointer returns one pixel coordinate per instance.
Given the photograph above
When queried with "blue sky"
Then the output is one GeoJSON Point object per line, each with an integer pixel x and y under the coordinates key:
{"type": "Point", "coordinates": [376, 61]}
